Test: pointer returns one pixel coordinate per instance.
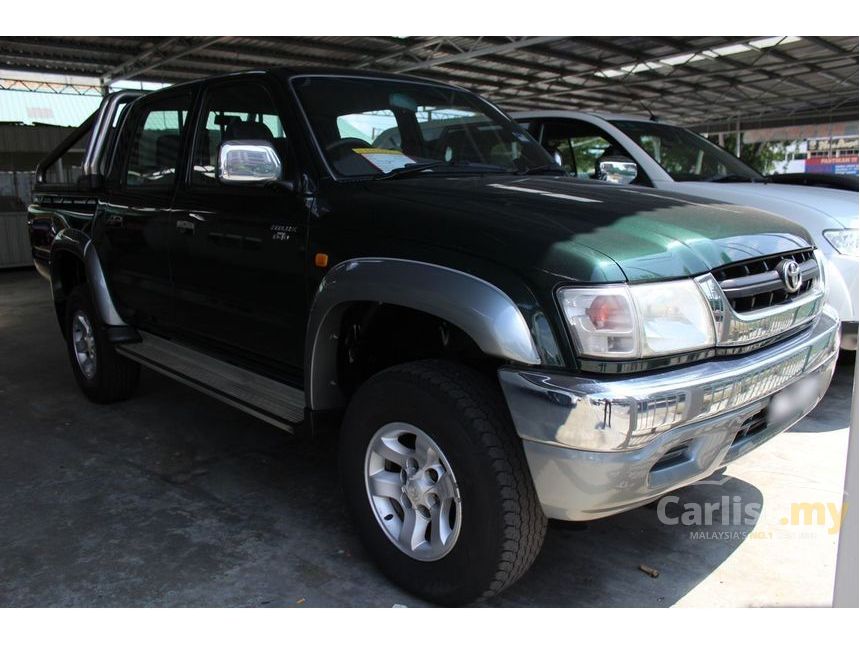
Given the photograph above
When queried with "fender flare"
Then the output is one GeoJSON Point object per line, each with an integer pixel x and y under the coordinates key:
{"type": "Point", "coordinates": [480, 309]}
{"type": "Point", "coordinates": [79, 244]}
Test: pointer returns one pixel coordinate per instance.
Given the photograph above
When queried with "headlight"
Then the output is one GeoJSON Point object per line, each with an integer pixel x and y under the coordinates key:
{"type": "Point", "coordinates": [844, 240]}
{"type": "Point", "coordinates": [638, 321]}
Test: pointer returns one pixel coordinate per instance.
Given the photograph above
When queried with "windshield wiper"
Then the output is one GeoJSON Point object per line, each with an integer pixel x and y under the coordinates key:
{"type": "Point", "coordinates": [419, 167]}
{"type": "Point", "coordinates": [543, 170]}
{"type": "Point", "coordinates": [731, 178]}
{"type": "Point", "coordinates": [410, 169]}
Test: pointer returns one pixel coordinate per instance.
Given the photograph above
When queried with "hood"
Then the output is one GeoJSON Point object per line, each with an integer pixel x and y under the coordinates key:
{"type": "Point", "coordinates": [812, 207]}
{"type": "Point", "coordinates": [577, 230]}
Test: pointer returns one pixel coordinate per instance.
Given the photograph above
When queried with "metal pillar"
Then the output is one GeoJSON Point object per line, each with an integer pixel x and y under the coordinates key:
{"type": "Point", "coordinates": [845, 593]}
{"type": "Point", "coordinates": [738, 137]}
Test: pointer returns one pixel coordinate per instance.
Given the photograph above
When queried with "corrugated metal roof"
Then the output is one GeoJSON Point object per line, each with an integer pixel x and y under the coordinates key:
{"type": "Point", "coordinates": [43, 107]}
{"type": "Point", "coordinates": [707, 81]}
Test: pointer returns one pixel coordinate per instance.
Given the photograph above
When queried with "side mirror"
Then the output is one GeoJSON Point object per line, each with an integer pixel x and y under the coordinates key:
{"type": "Point", "coordinates": [617, 170]}
{"type": "Point", "coordinates": [248, 162]}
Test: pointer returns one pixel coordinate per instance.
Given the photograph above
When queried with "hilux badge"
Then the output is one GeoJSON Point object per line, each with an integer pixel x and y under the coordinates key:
{"type": "Point", "coordinates": [790, 273]}
{"type": "Point", "coordinates": [282, 232]}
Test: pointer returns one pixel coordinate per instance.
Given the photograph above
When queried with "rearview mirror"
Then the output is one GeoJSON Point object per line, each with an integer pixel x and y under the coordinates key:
{"type": "Point", "coordinates": [617, 170]}
{"type": "Point", "coordinates": [251, 161]}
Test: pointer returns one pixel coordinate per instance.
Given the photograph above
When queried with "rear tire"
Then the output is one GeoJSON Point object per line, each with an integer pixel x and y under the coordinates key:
{"type": "Point", "coordinates": [103, 375]}
{"type": "Point", "coordinates": [496, 528]}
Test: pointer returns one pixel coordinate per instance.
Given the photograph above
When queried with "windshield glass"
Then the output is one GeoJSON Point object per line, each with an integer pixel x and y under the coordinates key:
{"type": "Point", "coordinates": [684, 155]}
{"type": "Point", "coordinates": [373, 127]}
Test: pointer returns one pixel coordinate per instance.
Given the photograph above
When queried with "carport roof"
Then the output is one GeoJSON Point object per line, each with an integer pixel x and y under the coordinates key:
{"type": "Point", "coordinates": [708, 81]}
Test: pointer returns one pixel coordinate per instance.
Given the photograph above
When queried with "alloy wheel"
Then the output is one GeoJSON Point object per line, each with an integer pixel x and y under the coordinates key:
{"type": "Point", "coordinates": [413, 491]}
{"type": "Point", "coordinates": [84, 343]}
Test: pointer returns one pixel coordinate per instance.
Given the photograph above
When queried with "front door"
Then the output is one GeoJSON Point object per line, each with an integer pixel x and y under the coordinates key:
{"type": "Point", "coordinates": [238, 251]}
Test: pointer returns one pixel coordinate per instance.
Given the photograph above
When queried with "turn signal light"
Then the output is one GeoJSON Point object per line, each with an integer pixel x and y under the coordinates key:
{"type": "Point", "coordinates": [610, 313]}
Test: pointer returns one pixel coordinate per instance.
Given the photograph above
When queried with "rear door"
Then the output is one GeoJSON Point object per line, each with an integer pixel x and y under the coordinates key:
{"type": "Point", "coordinates": [238, 251]}
{"type": "Point", "coordinates": [132, 230]}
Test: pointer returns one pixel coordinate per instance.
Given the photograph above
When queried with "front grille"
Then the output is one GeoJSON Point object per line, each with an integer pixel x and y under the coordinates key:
{"type": "Point", "coordinates": [756, 284]}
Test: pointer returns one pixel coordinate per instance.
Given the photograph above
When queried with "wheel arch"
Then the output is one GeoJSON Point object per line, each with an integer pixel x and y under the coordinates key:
{"type": "Point", "coordinates": [74, 261]}
{"type": "Point", "coordinates": [479, 309]}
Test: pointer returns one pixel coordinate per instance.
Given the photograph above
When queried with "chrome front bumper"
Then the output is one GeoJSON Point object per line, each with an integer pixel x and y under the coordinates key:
{"type": "Point", "coordinates": [596, 447]}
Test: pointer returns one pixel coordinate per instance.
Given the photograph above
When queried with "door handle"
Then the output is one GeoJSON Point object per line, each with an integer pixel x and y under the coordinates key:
{"type": "Point", "coordinates": [115, 221]}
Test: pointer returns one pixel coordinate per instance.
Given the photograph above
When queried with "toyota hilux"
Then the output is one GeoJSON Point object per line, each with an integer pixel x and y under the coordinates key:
{"type": "Point", "coordinates": [495, 342]}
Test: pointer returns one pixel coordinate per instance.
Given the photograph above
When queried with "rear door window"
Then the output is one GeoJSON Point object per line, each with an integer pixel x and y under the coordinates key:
{"type": "Point", "coordinates": [153, 157]}
{"type": "Point", "coordinates": [68, 167]}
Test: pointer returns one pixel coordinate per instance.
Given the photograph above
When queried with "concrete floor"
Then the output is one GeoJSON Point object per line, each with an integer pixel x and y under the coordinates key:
{"type": "Point", "coordinates": [174, 499]}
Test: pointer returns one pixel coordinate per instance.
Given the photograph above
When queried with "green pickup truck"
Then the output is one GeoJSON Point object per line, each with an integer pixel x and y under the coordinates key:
{"type": "Point", "coordinates": [395, 260]}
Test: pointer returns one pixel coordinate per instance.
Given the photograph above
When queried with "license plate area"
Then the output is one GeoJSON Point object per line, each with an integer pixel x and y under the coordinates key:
{"type": "Point", "coordinates": [794, 400]}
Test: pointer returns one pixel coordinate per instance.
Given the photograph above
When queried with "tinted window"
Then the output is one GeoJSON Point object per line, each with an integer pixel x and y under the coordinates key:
{"type": "Point", "coordinates": [154, 151]}
{"type": "Point", "coordinates": [67, 169]}
{"type": "Point", "coordinates": [578, 146]}
{"type": "Point", "coordinates": [684, 155]}
{"type": "Point", "coordinates": [244, 111]}
{"type": "Point", "coordinates": [371, 127]}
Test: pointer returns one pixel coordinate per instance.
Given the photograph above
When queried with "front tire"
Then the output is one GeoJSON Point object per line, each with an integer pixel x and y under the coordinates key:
{"type": "Point", "coordinates": [436, 480]}
{"type": "Point", "coordinates": [103, 375]}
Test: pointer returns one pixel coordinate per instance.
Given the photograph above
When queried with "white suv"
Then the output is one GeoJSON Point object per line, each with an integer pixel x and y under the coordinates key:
{"type": "Point", "coordinates": [669, 157]}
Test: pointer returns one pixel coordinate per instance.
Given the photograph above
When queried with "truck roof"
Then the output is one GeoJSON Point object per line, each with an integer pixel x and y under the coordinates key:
{"type": "Point", "coordinates": [607, 116]}
{"type": "Point", "coordinates": [291, 72]}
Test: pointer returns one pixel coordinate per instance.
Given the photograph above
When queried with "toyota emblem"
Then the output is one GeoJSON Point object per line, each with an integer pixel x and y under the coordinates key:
{"type": "Point", "coordinates": [789, 271]}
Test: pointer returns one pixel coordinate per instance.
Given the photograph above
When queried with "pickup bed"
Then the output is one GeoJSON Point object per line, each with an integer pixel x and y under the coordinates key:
{"type": "Point", "coordinates": [397, 261]}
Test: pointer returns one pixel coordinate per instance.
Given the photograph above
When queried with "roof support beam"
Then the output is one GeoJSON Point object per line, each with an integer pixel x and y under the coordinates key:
{"type": "Point", "coordinates": [157, 56]}
{"type": "Point", "coordinates": [409, 50]}
{"type": "Point", "coordinates": [54, 87]}
{"type": "Point", "coordinates": [822, 42]}
{"type": "Point", "coordinates": [645, 78]}
{"type": "Point", "coordinates": [565, 79]}
{"type": "Point", "coordinates": [815, 75]}
{"type": "Point", "coordinates": [776, 118]}
{"type": "Point", "coordinates": [116, 72]}
{"type": "Point", "coordinates": [477, 52]}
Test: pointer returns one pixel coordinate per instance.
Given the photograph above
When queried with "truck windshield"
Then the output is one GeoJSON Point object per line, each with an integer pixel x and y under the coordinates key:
{"type": "Point", "coordinates": [379, 128]}
{"type": "Point", "coordinates": [686, 156]}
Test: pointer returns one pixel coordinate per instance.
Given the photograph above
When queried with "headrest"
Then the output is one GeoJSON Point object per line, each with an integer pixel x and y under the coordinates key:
{"type": "Point", "coordinates": [167, 150]}
{"type": "Point", "coordinates": [247, 130]}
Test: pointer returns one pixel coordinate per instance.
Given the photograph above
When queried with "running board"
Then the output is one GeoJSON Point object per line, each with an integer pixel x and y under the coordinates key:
{"type": "Point", "coordinates": [269, 400]}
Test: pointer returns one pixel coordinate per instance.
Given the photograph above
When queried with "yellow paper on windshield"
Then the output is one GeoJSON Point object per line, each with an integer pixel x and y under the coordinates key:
{"type": "Point", "coordinates": [384, 159]}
